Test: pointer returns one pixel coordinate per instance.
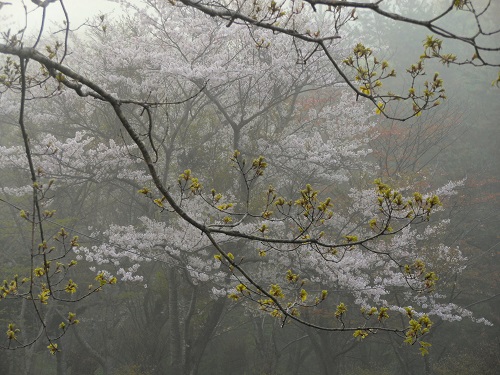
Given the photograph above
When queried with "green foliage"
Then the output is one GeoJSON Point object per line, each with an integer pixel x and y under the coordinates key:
{"type": "Point", "coordinates": [432, 49]}
{"type": "Point", "coordinates": [459, 4]}
{"type": "Point", "coordinates": [276, 291]}
{"type": "Point", "coordinates": [12, 331]}
{"type": "Point", "coordinates": [361, 334]}
{"type": "Point", "coordinates": [188, 182]}
{"type": "Point", "coordinates": [291, 277]}
{"type": "Point", "coordinates": [340, 311]}
{"type": "Point", "coordinates": [417, 328]}
{"type": "Point", "coordinates": [53, 348]}
{"type": "Point", "coordinates": [370, 73]}
{"type": "Point", "coordinates": [496, 82]}
{"type": "Point", "coordinates": [47, 283]}
{"type": "Point", "coordinates": [389, 198]}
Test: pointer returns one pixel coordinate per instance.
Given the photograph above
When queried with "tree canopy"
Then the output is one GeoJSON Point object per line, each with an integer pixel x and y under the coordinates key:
{"type": "Point", "coordinates": [233, 140]}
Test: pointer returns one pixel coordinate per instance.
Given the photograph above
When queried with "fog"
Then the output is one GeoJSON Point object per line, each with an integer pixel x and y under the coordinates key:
{"type": "Point", "coordinates": [249, 188]}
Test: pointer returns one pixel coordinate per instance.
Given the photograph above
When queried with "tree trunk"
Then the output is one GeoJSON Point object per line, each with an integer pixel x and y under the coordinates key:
{"type": "Point", "coordinates": [194, 353]}
{"type": "Point", "coordinates": [176, 344]}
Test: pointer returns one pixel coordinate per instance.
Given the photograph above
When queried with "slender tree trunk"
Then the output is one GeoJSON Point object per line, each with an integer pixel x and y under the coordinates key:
{"type": "Point", "coordinates": [194, 353]}
{"type": "Point", "coordinates": [103, 360]}
{"type": "Point", "coordinates": [29, 352]}
{"type": "Point", "coordinates": [322, 354]}
{"type": "Point", "coordinates": [176, 344]}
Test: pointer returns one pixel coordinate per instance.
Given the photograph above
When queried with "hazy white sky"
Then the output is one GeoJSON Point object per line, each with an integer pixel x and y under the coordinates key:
{"type": "Point", "coordinates": [13, 16]}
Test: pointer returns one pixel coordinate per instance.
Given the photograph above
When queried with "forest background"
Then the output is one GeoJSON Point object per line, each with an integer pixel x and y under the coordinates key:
{"type": "Point", "coordinates": [211, 90]}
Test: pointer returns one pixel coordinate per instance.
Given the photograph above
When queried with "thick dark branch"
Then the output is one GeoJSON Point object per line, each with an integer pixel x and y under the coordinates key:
{"type": "Point", "coordinates": [231, 15]}
{"type": "Point", "coordinates": [273, 25]}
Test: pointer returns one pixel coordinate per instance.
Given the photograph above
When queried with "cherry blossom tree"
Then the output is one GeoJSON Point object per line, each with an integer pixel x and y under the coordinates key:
{"type": "Point", "coordinates": [182, 86]}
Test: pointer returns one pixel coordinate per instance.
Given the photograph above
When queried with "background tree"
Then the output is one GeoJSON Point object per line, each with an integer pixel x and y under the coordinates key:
{"type": "Point", "coordinates": [261, 112]}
